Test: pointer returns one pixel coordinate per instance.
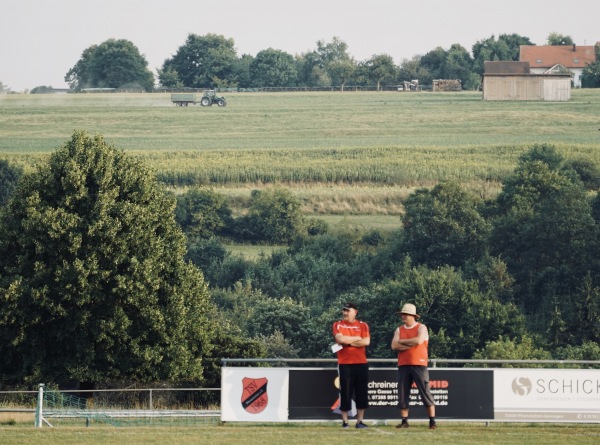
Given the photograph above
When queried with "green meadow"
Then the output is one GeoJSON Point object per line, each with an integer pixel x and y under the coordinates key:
{"type": "Point", "coordinates": [307, 434]}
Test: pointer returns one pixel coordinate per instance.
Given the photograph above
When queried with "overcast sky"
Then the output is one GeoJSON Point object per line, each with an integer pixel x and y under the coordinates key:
{"type": "Point", "coordinates": [40, 40]}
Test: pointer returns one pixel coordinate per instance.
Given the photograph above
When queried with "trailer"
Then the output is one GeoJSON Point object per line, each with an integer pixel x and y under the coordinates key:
{"type": "Point", "coordinates": [184, 99]}
{"type": "Point", "coordinates": [206, 99]}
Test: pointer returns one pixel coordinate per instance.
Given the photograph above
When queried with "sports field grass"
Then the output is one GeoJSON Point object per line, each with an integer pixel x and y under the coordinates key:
{"type": "Point", "coordinates": [308, 434]}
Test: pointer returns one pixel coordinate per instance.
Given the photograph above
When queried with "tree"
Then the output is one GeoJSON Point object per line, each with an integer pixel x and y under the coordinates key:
{"type": "Point", "coordinates": [242, 71]}
{"type": "Point", "coordinates": [543, 228]}
{"type": "Point", "coordinates": [273, 68]}
{"type": "Point", "coordinates": [81, 76]}
{"type": "Point", "coordinates": [274, 215]}
{"type": "Point", "coordinates": [443, 226]}
{"type": "Point", "coordinates": [513, 349]}
{"type": "Point", "coordinates": [587, 170]}
{"type": "Point", "coordinates": [330, 56]}
{"type": "Point", "coordinates": [491, 49]}
{"type": "Point", "coordinates": [557, 39]}
{"type": "Point", "coordinates": [203, 213]}
{"type": "Point", "coordinates": [381, 68]}
{"type": "Point", "coordinates": [460, 318]}
{"type": "Point", "coordinates": [514, 42]}
{"type": "Point", "coordinates": [411, 69]}
{"type": "Point", "coordinates": [341, 71]}
{"type": "Point", "coordinates": [590, 75]}
{"type": "Point", "coordinates": [112, 64]}
{"type": "Point", "coordinates": [201, 62]}
{"type": "Point", "coordinates": [458, 65]}
{"type": "Point", "coordinates": [9, 177]}
{"type": "Point", "coordinates": [311, 71]}
{"type": "Point", "coordinates": [93, 280]}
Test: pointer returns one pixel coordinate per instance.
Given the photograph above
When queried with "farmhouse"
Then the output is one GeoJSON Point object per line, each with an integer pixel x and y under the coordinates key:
{"type": "Point", "coordinates": [514, 81]}
{"type": "Point", "coordinates": [551, 59]}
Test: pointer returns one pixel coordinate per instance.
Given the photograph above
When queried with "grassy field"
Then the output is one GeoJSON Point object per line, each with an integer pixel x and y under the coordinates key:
{"type": "Point", "coordinates": [307, 434]}
{"type": "Point", "coordinates": [358, 137]}
{"type": "Point", "coordinates": [350, 154]}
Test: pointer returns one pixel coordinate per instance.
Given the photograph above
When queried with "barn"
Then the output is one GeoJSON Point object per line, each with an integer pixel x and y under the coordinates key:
{"type": "Point", "coordinates": [514, 81]}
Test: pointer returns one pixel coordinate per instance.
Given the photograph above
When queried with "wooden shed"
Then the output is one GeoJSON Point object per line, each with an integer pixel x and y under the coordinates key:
{"type": "Point", "coordinates": [514, 81]}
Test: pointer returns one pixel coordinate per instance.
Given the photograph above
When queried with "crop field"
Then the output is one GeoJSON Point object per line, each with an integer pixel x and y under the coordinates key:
{"type": "Point", "coordinates": [380, 137]}
{"type": "Point", "coordinates": [345, 153]}
{"type": "Point", "coordinates": [306, 434]}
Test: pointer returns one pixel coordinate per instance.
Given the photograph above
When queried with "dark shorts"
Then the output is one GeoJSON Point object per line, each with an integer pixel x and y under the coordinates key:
{"type": "Point", "coordinates": [354, 381]}
{"type": "Point", "coordinates": [420, 376]}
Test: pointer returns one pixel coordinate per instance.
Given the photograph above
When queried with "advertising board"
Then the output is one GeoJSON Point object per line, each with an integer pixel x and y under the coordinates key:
{"type": "Point", "coordinates": [509, 395]}
{"type": "Point", "coordinates": [547, 395]}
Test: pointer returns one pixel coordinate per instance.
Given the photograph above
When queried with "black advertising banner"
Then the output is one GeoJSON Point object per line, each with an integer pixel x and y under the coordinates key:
{"type": "Point", "coordinates": [458, 394]}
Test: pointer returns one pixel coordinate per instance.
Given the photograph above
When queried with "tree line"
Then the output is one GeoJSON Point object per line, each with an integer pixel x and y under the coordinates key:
{"type": "Point", "coordinates": [211, 61]}
{"type": "Point", "coordinates": [107, 277]}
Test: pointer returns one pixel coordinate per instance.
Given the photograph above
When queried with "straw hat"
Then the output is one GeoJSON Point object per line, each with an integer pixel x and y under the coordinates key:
{"type": "Point", "coordinates": [409, 309]}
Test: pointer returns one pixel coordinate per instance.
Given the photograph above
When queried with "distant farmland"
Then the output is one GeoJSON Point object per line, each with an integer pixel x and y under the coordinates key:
{"type": "Point", "coordinates": [377, 138]}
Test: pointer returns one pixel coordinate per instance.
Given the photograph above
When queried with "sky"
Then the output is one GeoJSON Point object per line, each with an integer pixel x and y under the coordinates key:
{"type": "Point", "coordinates": [41, 40]}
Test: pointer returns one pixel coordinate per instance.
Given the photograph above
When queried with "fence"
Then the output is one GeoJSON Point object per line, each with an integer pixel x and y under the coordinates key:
{"type": "Point", "coordinates": [205, 402]}
{"type": "Point", "coordinates": [118, 406]}
{"type": "Point", "coordinates": [433, 362]}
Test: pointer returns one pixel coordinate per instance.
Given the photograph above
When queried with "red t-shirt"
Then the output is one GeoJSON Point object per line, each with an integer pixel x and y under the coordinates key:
{"type": "Point", "coordinates": [351, 355]}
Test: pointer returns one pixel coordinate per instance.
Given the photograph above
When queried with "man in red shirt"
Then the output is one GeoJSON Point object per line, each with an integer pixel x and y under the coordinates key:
{"type": "Point", "coordinates": [353, 336]}
{"type": "Point", "coordinates": [411, 341]}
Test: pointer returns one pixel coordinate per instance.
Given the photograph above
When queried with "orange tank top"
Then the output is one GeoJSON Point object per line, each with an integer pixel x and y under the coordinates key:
{"type": "Point", "coordinates": [417, 355]}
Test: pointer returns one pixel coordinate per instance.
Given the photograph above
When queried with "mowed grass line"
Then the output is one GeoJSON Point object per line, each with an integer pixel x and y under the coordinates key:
{"type": "Point", "coordinates": [308, 434]}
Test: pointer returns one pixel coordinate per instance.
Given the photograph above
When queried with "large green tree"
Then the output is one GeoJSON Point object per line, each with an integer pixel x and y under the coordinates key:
{"type": "Point", "coordinates": [207, 61]}
{"type": "Point", "coordinates": [544, 230]}
{"type": "Point", "coordinates": [444, 226]}
{"type": "Point", "coordinates": [507, 47]}
{"type": "Point", "coordinates": [112, 64]}
{"type": "Point", "coordinates": [273, 68]}
{"type": "Point", "coordinates": [381, 68]}
{"type": "Point", "coordinates": [93, 280]}
{"type": "Point", "coordinates": [274, 215]}
{"type": "Point", "coordinates": [203, 213]}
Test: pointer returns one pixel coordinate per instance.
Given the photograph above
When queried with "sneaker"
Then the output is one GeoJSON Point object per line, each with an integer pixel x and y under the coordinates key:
{"type": "Point", "coordinates": [361, 425]}
{"type": "Point", "coordinates": [345, 425]}
{"type": "Point", "coordinates": [402, 425]}
{"type": "Point", "coordinates": [432, 425]}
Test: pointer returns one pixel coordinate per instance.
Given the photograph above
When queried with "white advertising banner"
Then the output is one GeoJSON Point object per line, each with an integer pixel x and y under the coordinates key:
{"type": "Point", "coordinates": [547, 395]}
{"type": "Point", "coordinates": [254, 394]}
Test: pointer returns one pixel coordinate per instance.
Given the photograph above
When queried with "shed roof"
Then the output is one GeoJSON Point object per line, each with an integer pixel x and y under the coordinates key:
{"type": "Point", "coordinates": [505, 67]}
{"type": "Point", "coordinates": [546, 56]}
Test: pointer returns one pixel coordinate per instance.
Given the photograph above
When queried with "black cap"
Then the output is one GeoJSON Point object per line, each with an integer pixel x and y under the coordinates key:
{"type": "Point", "coordinates": [349, 306]}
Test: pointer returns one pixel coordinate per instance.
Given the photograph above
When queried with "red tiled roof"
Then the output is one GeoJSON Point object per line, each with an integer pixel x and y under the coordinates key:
{"type": "Point", "coordinates": [546, 56]}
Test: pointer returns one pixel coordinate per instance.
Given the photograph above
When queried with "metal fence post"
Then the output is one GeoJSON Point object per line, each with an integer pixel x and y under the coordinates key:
{"type": "Point", "coordinates": [40, 404]}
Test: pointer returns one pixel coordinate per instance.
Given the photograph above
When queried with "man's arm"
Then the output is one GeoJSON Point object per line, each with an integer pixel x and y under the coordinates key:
{"type": "Point", "coordinates": [397, 344]}
{"type": "Point", "coordinates": [363, 342]}
{"type": "Point", "coordinates": [346, 339]}
{"type": "Point", "coordinates": [422, 336]}
{"type": "Point", "coordinates": [353, 340]}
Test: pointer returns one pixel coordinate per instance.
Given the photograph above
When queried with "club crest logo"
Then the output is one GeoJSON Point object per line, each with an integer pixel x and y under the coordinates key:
{"type": "Point", "coordinates": [254, 395]}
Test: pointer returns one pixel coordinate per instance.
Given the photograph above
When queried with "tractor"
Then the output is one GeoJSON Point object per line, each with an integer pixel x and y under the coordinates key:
{"type": "Point", "coordinates": [210, 97]}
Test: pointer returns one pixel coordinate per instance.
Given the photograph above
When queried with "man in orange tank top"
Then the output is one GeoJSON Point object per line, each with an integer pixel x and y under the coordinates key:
{"type": "Point", "coordinates": [411, 341]}
{"type": "Point", "coordinates": [353, 336]}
